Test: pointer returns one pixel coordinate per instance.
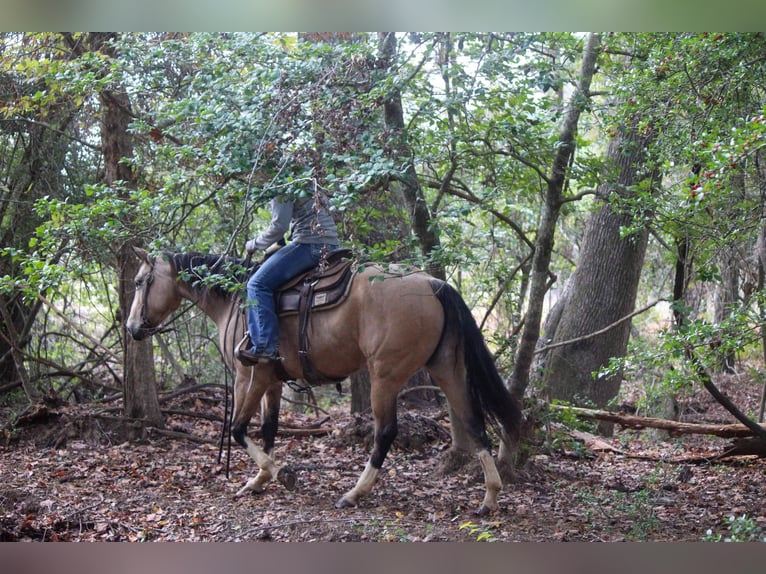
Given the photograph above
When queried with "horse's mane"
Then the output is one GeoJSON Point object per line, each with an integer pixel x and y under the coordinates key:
{"type": "Point", "coordinates": [216, 274]}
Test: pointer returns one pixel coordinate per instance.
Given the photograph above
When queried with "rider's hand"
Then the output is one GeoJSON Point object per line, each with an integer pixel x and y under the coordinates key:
{"type": "Point", "coordinates": [250, 247]}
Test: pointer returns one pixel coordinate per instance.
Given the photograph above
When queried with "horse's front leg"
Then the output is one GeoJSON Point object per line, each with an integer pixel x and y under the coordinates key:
{"type": "Point", "coordinates": [269, 425]}
{"type": "Point", "coordinates": [267, 468]}
{"type": "Point", "coordinates": [251, 385]}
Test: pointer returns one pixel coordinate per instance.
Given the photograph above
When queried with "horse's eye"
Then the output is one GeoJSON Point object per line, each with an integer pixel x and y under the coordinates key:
{"type": "Point", "coordinates": [139, 282]}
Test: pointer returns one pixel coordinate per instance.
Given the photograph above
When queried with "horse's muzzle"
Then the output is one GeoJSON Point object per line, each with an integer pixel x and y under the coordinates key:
{"type": "Point", "coordinates": [138, 332]}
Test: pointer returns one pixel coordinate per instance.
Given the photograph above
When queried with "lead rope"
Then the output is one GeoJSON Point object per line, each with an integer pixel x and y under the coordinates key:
{"type": "Point", "coordinates": [228, 406]}
{"type": "Point", "coordinates": [228, 410]}
{"type": "Point", "coordinates": [225, 425]}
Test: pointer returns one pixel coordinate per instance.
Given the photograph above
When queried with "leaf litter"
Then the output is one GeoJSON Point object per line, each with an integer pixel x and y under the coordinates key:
{"type": "Point", "coordinates": [626, 487]}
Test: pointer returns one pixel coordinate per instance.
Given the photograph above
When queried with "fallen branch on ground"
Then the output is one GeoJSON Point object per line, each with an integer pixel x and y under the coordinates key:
{"type": "Point", "coordinates": [673, 427]}
{"type": "Point", "coordinates": [745, 447]}
{"type": "Point", "coordinates": [181, 435]}
{"type": "Point", "coordinates": [191, 389]}
{"type": "Point", "coordinates": [253, 433]}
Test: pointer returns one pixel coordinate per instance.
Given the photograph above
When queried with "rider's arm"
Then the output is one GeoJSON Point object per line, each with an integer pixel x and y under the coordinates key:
{"type": "Point", "coordinates": [281, 215]}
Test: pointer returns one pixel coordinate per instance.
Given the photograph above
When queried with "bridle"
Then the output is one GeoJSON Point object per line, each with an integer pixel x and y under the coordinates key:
{"type": "Point", "coordinates": [143, 285]}
{"type": "Point", "coordinates": [145, 282]}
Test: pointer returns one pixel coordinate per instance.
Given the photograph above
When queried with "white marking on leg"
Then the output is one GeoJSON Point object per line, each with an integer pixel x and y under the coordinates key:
{"type": "Point", "coordinates": [267, 468]}
{"type": "Point", "coordinates": [364, 485]}
{"type": "Point", "coordinates": [492, 480]}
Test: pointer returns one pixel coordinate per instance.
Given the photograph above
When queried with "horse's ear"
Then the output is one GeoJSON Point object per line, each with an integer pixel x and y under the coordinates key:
{"type": "Point", "coordinates": [143, 255]}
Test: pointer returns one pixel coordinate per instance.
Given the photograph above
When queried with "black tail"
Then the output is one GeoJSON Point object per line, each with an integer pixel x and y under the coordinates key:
{"type": "Point", "coordinates": [488, 391]}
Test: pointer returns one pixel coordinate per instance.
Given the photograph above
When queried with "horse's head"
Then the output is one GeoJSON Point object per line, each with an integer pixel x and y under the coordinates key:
{"type": "Point", "coordinates": [157, 295]}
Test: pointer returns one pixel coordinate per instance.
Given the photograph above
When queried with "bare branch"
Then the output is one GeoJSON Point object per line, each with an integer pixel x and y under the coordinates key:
{"type": "Point", "coordinates": [600, 331]}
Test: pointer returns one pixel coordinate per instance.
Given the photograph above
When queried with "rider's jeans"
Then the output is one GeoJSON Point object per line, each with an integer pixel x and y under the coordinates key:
{"type": "Point", "coordinates": [283, 265]}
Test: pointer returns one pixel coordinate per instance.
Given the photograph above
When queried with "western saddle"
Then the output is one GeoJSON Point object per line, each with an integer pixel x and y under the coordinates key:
{"type": "Point", "coordinates": [323, 287]}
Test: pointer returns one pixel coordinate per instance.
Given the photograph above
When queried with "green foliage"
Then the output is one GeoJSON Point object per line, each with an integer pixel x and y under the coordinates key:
{"type": "Point", "coordinates": [635, 509]}
{"type": "Point", "coordinates": [741, 529]}
{"type": "Point", "coordinates": [223, 122]}
{"type": "Point", "coordinates": [481, 532]}
{"type": "Point", "coordinates": [706, 111]}
{"type": "Point", "coordinates": [564, 416]}
{"type": "Point", "coordinates": [396, 530]}
{"type": "Point", "coordinates": [661, 363]}
{"type": "Point", "coordinates": [556, 424]}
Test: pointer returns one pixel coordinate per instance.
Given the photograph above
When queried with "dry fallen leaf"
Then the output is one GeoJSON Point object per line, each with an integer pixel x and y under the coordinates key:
{"type": "Point", "coordinates": [594, 443]}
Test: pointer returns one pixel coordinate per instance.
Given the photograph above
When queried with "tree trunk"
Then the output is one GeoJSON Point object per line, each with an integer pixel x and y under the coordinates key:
{"type": "Point", "coordinates": [360, 392]}
{"type": "Point", "coordinates": [139, 380]}
{"type": "Point", "coordinates": [11, 321]}
{"type": "Point", "coordinates": [33, 161]}
{"type": "Point", "coordinates": [726, 297]}
{"type": "Point", "coordinates": [761, 256]}
{"type": "Point", "coordinates": [602, 289]}
{"type": "Point", "coordinates": [680, 281]}
{"type": "Point", "coordinates": [14, 350]}
{"type": "Point", "coordinates": [420, 216]}
{"type": "Point", "coordinates": [547, 228]}
{"type": "Point", "coordinates": [140, 399]}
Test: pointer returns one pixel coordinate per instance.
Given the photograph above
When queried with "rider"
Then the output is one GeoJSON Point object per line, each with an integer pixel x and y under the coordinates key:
{"type": "Point", "coordinates": [313, 233]}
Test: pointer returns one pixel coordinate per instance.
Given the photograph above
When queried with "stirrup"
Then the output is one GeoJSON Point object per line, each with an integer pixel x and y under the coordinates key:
{"type": "Point", "coordinates": [245, 356]}
{"type": "Point", "coordinates": [244, 343]}
{"type": "Point", "coordinates": [249, 358]}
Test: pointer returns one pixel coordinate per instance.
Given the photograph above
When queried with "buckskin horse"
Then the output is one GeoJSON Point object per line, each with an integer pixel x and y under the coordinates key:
{"type": "Point", "coordinates": [394, 321]}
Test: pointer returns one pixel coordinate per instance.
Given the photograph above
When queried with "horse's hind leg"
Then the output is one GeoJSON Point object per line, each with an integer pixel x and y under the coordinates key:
{"type": "Point", "coordinates": [384, 414]}
{"type": "Point", "coordinates": [469, 429]}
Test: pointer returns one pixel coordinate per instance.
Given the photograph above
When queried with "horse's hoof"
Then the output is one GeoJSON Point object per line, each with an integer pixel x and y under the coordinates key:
{"type": "Point", "coordinates": [287, 477]}
{"type": "Point", "coordinates": [248, 489]}
{"type": "Point", "coordinates": [483, 510]}
{"type": "Point", "coordinates": [343, 502]}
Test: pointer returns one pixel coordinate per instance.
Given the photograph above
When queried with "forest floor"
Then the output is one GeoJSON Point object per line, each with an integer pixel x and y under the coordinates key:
{"type": "Point", "coordinates": [67, 477]}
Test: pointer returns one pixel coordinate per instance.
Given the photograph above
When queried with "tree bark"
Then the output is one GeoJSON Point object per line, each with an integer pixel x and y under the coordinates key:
{"type": "Point", "coordinates": [15, 352]}
{"type": "Point", "coordinates": [726, 298]}
{"type": "Point", "coordinates": [140, 390]}
{"type": "Point", "coordinates": [547, 228]}
{"type": "Point", "coordinates": [761, 256]}
{"type": "Point", "coordinates": [602, 289]}
{"type": "Point", "coordinates": [360, 392]}
{"type": "Point", "coordinates": [33, 161]}
{"type": "Point", "coordinates": [420, 216]}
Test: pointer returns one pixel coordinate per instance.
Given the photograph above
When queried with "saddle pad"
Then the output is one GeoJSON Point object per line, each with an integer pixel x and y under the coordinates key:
{"type": "Point", "coordinates": [331, 288]}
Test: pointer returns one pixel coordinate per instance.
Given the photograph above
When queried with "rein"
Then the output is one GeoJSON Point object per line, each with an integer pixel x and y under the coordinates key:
{"type": "Point", "coordinates": [145, 284]}
{"type": "Point", "coordinates": [228, 407]}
